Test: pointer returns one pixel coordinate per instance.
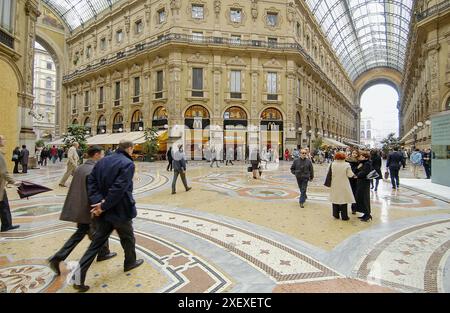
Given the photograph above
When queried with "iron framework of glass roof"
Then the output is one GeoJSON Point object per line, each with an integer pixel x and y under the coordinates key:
{"type": "Point", "coordinates": [365, 33]}
{"type": "Point", "coordinates": [77, 12]}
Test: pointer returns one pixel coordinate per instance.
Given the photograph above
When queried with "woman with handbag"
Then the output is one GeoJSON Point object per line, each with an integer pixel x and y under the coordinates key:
{"type": "Point", "coordinates": [341, 192]}
{"type": "Point", "coordinates": [363, 186]}
{"type": "Point", "coordinates": [15, 159]}
{"type": "Point", "coordinates": [376, 164]}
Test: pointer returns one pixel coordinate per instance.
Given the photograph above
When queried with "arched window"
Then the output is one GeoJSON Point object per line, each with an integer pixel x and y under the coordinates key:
{"type": "Point", "coordinates": [271, 114]}
{"type": "Point", "coordinates": [160, 117]}
{"type": "Point", "coordinates": [369, 134]}
{"type": "Point", "coordinates": [196, 111]}
{"type": "Point", "coordinates": [447, 106]}
{"type": "Point", "coordinates": [137, 121]}
{"type": "Point", "coordinates": [75, 122]}
{"type": "Point", "coordinates": [101, 126]}
{"type": "Point", "coordinates": [88, 125]}
{"type": "Point", "coordinates": [118, 123]}
{"type": "Point", "coordinates": [235, 113]}
{"type": "Point", "coordinates": [362, 135]}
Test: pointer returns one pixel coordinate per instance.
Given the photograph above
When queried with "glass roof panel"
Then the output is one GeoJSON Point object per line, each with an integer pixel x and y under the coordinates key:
{"type": "Point", "coordinates": [77, 12]}
{"type": "Point", "coordinates": [365, 33]}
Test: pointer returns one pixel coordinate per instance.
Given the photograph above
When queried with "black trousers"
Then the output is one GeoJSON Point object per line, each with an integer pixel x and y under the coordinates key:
{"type": "Point", "coordinates": [104, 230]}
{"type": "Point", "coordinates": [175, 178]}
{"type": "Point", "coordinates": [226, 163]}
{"type": "Point", "coordinates": [169, 166]}
{"type": "Point", "coordinates": [427, 168]}
{"type": "Point", "coordinates": [340, 208]}
{"type": "Point", "coordinates": [395, 180]}
{"type": "Point", "coordinates": [24, 168]}
{"type": "Point", "coordinates": [75, 239]}
{"type": "Point", "coordinates": [16, 167]}
{"type": "Point", "coordinates": [5, 212]}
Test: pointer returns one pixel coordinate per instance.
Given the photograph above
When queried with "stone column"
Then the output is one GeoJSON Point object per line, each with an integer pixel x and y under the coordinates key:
{"type": "Point", "coordinates": [254, 119]}
{"type": "Point", "coordinates": [176, 120]}
{"type": "Point", "coordinates": [290, 125]}
{"type": "Point", "coordinates": [433, 92]}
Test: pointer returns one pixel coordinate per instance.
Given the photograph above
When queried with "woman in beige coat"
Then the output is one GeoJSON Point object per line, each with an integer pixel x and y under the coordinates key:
{"type": "Point", "coordinates": [341, 192]}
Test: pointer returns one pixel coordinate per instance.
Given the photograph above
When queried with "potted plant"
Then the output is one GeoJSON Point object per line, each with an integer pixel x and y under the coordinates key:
{"type": "Point", "coordinates": [151, 146]}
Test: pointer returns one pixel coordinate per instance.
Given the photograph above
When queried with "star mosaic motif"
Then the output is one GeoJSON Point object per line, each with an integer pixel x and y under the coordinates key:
{"type": "Point", "coordinates": [199, 225]}
{"type": "Point", "coordinates": [171, 218]}
{"type": "Point", "coordinates": [230, 235]}
{"type": "Point", "coordinates": [411, 245]}
{"type": "Point", "coordinates": [214, 229]}
{"type": "Point", "coordinates": [406, 252]}
{"type": "Point", "coordinates": [284, 262]}
{"type": "Point", "coordinates": [185, 221]}
{"type": "Point", "coordinates": [401, 261]}
{"type": "Point", "coordinates": [264, 251]}
{"type": "Point", "coordinates": [421, 240]}
{"type": "Point", "coordinates": [246, 242]}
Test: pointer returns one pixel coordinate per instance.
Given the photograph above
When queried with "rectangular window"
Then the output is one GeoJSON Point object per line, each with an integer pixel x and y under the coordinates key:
{"type": "Point", "coordinates": [49, 65]}
{"type": "Point", "coordinates": [197, 82]}
{"type": "Point", "coordinates": [272, 42]}
{"type": "Point", "coordinates": [103, 43]}
{"type": "Point", "coordinates": [235, 39]}
{"type": "Point", "coordinates": [235, 84]}
{"type": "Point", "coordinates": [159, 84]}
{"type": "Point", "coordinates": [119, 36]}
{"type": "Point", "coordinates": [197, 11]}
{"type": "Point", "coordinates": [138, 27]}
{"type": "Point", "coordinates": [272, 86]}
{"type": "Point", "coordinates": [88, 51]}
{"type": "Point", "coordinates": [298, 88]}
{"type": "Point", "coordinates": [74, 103]}
{"type": "Point", "coordinates": [48, 98]}
{"type": "Point", "coordinates": [161, 16]}
{"type": "Point", "coordinates": [272, 19]}
{"type": "Point", "coordinates": [6, 14]}
{"type": "Point", "coordinates": [235, 15]}
{"type": "Point", "coordinates": [48, 83]}
{"type": "Point", "coordinates": [137, 89]}
{"type": "Point", "coordinates": [117, 94]}
{"type": "Point", "coordinates": [197, 36]}
{"type": "Point", "coordinates": [86, 101]}
{"type": "Point", "coordinates": [101, 96]}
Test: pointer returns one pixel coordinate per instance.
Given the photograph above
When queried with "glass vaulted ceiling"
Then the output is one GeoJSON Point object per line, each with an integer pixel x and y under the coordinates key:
{"type": "Point", "coordinates": [78, 12]}
{"type": "Point", "coordinates": [365, 33]}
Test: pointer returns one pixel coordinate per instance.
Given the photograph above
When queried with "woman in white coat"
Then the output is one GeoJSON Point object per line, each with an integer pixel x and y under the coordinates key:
{"type": "Point", "coordinates": [341, 192]}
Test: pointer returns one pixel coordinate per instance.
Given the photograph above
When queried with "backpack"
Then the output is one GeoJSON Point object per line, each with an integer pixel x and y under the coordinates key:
{"type": "Point", "coordinates": [416, 158]}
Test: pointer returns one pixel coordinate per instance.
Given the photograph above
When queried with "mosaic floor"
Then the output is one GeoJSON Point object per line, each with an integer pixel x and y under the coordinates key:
{"type": "Point", "coordinates": [232, 233]}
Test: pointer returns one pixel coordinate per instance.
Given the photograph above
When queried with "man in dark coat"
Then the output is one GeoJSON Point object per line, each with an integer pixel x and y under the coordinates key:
{"type": "Point", "coordinates": [24, 155]}
{"type": "Point", "coordinates": [179, 168]}
{"type": "Point", "coordinates": [303, 170]}
{"type": "Point", "coordinates": [110, 191]}
{"type": "Point", "coordinates": [394, 163]}
{"type": "Point", "coordinates": [77, 209]}
{"type": "Point", "coordinates": [426, 157]}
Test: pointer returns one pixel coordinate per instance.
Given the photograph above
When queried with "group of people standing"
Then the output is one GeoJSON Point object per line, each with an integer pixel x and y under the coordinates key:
{"type": "Point", "coordinates": [20, 157]}
{"type": "Point", "coordinates": [54, 153]}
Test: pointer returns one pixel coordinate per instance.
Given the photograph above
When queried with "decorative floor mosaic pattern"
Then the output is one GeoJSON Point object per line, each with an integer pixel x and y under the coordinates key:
{"type": "Point", "coordinates": [412, 257]}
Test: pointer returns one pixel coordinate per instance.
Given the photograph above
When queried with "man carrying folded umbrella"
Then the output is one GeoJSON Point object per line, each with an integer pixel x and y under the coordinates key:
{"type": "Point", "coordinates": [77, 209]}
{"type": "Point", "coordinates": [5, 178]}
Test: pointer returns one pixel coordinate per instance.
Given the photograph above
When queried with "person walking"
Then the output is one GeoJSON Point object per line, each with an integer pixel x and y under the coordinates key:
{"type": "Point", "coordinates": [363, 186]}
{"type": "Point", "coordinates": [427, 162]}
{"type": "Point", "coordinates": [24, 158]}
{"type": "Point", "coordinates": [179, 168]}
{"type": "Point", "coordinates": [5, 178]}
{"type": "Point", "coordinates": [394, 163]}
{"type": "Point", "coordinates": [214, 157]}
{"type": "Point", "coordinates": [15, 159]}
{"type": "Point", "coordinates": [229, 155]}
{"type": "Point", "coordinates": [376, 164]}
{"type": "Point", "coordinates": [353, 160]}
{"type": "Point", "coordinates": [286, 155]}
{"type": "Point", "coordinates": [405, 157]}
{"type": "Point", "coordinates": [44, 156]}
{"type": "Point", "coordinates": [340, 191]}
{"type": "Point", "coordinates": [416, 162]}
{"type": "Point", "coordinates": [295, 154]}
{"type": "Point", "coordinates": [53, 154]}
{"type": "Point", "coordinates": [72, 163]}
{"type": "Point", "coordinates": [303, 170]}
{"type": "Point", "coordinates": [77, 209]}
{"type": "Point", "coordinates": [60, 153]}
{"type": "Point", "coordinates": [110, 192]}
{"type": "Point", "coordinates": [169, 159]}
{"type": "Point", "coordinates": [255, 161]}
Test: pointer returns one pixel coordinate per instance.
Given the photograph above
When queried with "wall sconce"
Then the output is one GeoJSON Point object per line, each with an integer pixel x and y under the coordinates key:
{"type": "Point", "coordinates": [420, 124]}
{"type": "Point", "coordinates": [428, 122]}
{"type": "Point", "coordinates": [103, 130]}
{"type": "Point", "coordinates": [140, 128]}
{"type": "Point", "coordinates": [166, 126]}
{"type": "Point", "coordinates": [300, 129]}
{"type": "Point", "coordinates": [120, 129]}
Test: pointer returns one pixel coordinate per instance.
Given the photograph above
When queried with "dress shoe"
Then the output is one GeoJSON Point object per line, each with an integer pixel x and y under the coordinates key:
{"type": "Point", "coordinates": [136, 264]}
{"type": "Point", "coordinates": [106, 257]}
{"type": "Point", "coordinates": [54, 266]}
{"type": "Point", "coordinates": [173, 192]}
{"type": "Point", "coordinates": [61, 185]}
{"type": "Point", "coordinates": [81, 288]}
{"type": "Point", "coordinates": [301, 205]}
{"type": "Point", "coordinates": [10, 228]}
{"type": "Point", "coordinates": [366, 218]}
{"type": "Point", "coordinates": [188, 188]}
{"type": "Point", "coordinates": [345, 219]}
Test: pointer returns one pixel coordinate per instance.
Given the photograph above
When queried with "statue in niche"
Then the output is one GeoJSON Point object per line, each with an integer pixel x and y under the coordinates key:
{"type": "Point", "coordinates": [175, 4]}
{"type": "Point", "coordinates": [255, 9]}
{"type": "Point", "coordinates": [290, 12]}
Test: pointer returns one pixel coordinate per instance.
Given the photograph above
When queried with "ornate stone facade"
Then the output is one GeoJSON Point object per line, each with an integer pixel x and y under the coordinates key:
{"type": "Point", "coordinates": [259, 41]}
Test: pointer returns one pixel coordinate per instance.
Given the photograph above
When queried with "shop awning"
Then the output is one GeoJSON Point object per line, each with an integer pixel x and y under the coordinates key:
{"type": "Point", "coordinates": [57, 142]}
{"type": "Point", "coordinates": [114, 139]}
{"type": "Point", "coordinates": [354, 144]}
{"type": "Point", "coordinates": [333, 142]}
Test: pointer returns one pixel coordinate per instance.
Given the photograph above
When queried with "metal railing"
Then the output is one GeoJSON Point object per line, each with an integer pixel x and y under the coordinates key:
{"type": "Point", "coordinates": [433, 10]}
{"type": "Point", "coordinates": [202, 41]}
{"type": "Point", "coordinates": [6, 39]}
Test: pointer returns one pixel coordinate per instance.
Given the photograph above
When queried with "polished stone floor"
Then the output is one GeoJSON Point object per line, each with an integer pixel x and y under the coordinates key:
{"type": "Point", "coordinates": [232, 233]}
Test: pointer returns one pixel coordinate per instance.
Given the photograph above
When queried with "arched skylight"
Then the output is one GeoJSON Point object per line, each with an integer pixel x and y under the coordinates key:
{"type": "Point", "coordinates": [365, 33]}
{"type": "Point", "coordinates": [77, 12]}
